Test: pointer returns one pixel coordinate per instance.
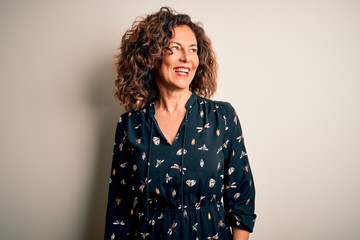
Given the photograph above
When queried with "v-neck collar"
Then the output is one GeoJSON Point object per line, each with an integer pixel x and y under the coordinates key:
{"type": "Point", "coordinates": [151, 118]}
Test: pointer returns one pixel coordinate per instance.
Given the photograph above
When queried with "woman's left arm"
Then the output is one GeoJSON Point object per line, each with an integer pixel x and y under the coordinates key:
{"type": "Point", "coordinates": [239, 234]}
{"type": "Point", "coordinates": [239, 191]}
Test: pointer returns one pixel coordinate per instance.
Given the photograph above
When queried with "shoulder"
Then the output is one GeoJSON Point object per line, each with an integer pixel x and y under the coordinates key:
{"type": "Point", "coordinates": [224, 108]}
{"type": "Point", "coordinates": [133, 117]}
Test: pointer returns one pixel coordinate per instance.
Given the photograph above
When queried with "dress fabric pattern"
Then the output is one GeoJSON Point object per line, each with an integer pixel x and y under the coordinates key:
{"type": "Point", "coordinates": [197, 188]}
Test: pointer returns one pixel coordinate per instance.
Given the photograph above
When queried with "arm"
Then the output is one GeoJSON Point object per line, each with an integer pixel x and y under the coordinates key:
{"type": "Point", "coordinates": [239, 192]}
{"type": "Point", "coordinates": [120, 197]}
{"type": "Point", "coordinates": [239, 234]}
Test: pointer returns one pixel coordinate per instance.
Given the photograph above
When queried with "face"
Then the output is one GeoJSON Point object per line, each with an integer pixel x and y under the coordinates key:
{"type": "Point", "coordinates": [179, 63]}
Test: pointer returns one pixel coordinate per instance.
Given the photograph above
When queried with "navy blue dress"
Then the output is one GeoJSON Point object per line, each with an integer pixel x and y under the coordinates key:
{"type": "Point", "coordinates": [197, 188]}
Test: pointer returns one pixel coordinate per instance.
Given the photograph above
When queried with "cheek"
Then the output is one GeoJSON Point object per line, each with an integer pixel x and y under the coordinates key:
{"type": "Point", "coordinates": [167, 63]}
{"type": "Point", "coordinates": [196, 59]}
{"type": "Point", "coordinates": [196, 62]}
{"type": "Point", "coordinates": [165, 68]}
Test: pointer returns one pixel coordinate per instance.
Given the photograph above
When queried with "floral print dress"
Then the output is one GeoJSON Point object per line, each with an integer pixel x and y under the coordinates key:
{"type": "Point", "coordinates": [199, 187]}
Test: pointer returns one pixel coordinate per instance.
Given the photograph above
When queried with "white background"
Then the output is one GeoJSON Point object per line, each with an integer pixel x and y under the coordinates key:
{"type": "Point", "coordinates": [290, 68]}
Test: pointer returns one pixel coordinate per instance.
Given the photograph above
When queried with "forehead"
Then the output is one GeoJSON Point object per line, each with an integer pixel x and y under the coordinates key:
{"type": "Point", "coordinates": [183, 35]}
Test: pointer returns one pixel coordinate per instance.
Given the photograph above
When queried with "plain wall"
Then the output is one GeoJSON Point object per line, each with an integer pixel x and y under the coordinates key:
{"type": "Point", "coordinates": [290, 68]}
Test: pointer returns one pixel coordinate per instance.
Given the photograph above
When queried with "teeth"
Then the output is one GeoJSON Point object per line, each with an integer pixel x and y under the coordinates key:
{"type": "Point", "coordinates": [184, 70]}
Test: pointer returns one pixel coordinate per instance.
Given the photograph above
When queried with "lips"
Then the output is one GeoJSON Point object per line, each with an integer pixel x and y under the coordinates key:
{"type": "Point", "coordinates": [182, 70]}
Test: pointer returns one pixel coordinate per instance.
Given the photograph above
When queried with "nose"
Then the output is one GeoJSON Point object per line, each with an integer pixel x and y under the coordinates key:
{"type": "Point", "coordinates": [184, 57]}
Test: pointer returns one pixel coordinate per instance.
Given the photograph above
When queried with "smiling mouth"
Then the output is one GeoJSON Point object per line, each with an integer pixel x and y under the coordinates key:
{"type": "Point", "coordinates": [182, 70]}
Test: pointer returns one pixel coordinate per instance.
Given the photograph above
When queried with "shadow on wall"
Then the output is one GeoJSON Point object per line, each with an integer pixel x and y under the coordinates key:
{"type": "Point", "coordinates": [107, 111]}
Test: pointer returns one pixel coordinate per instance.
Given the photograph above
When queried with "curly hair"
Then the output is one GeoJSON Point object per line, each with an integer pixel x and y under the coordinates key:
{"type": "Point", "coordinates": [142, 46]}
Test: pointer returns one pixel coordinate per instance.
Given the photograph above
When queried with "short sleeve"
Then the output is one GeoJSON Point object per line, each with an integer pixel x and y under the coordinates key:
{"type": "Point", "coordinates": [120, 197]}
{"type": "Point", "coordinates": [239, 190]}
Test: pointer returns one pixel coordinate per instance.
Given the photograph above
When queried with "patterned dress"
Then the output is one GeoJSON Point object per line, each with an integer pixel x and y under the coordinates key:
{"type": "Point", "coordinates": [197, 188]}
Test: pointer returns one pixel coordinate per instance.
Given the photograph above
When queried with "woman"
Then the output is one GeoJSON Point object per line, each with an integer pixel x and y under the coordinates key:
{"type": "Point", "coordinates": [180, 168]}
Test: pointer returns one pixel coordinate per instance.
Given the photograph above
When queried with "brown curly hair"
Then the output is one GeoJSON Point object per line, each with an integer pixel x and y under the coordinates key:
{"type": "Point", "coordinates": [142, 46]}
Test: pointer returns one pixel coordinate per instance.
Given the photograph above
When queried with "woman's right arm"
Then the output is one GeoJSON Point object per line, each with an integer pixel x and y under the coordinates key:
{"type": "Point", "coordinates": [120, 197]}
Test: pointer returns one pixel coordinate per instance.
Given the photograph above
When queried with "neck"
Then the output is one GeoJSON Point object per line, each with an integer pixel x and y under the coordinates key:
{"type": "Point", "coordinates": [172, 102]}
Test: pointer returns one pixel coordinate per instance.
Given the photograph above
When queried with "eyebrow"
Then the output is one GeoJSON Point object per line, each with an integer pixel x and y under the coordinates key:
{"type": "Point", "coordinates": [191, 45]}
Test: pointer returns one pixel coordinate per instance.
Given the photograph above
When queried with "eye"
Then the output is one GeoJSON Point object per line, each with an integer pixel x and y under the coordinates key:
{"type": "Point", "coordinates": [193, 50]}
{"type": "Point", "coordinates": [175, 48]}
